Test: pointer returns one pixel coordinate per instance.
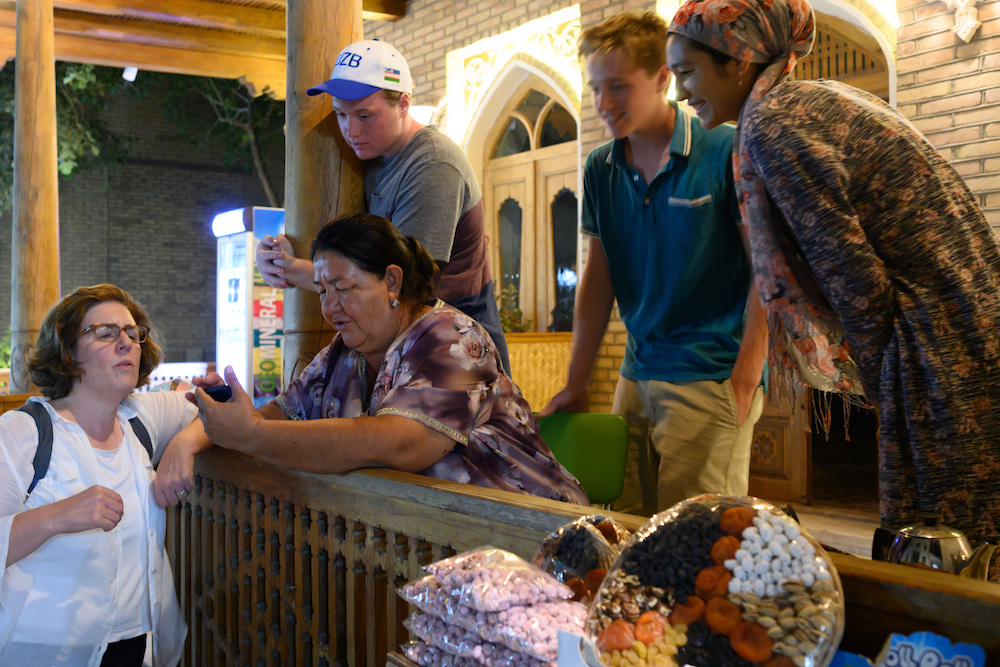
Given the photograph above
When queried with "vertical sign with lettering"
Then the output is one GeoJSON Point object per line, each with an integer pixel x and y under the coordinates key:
{"type": "Point", "coordinates": [266, 323]}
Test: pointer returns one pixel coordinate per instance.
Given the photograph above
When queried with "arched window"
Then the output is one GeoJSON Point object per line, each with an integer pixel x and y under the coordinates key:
{"type": "Point", "coordinates": [559, 127]}
{"type": "Point", "coordinates": [510, 219]}
{"type": "Point", "coordinates": [564, 238]}
{"type": "Point", "coordinates": [515, 139]}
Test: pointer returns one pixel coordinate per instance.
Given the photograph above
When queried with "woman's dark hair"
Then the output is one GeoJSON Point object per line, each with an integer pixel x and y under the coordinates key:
{"type": "Point", "coordinates": [373, 243]}
{"type": "Point", "coordinates": [50, 361]}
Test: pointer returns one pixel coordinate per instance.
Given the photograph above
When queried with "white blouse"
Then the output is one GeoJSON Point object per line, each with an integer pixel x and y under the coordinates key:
{"type": "Point", "coordinates": [58, 605]}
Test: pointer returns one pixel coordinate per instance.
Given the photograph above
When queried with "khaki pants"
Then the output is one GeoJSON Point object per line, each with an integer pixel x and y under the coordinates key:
{"type": "Point", "coordinates": [683, 440]}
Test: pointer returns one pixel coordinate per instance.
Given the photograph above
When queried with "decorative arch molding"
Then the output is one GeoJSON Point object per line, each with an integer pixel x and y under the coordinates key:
{"type": "Point", "coordinates": [966, 18]}
{"type": "Point", "coordinates": [508, 83]}
{"type": "Point", "coordinates": [872, 19]}
{"type": "Point", "coordinates": [545, 47]}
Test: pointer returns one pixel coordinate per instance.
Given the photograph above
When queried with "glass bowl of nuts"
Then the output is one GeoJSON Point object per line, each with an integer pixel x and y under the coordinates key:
{"type": "Point", "coordinates": [719, 581]}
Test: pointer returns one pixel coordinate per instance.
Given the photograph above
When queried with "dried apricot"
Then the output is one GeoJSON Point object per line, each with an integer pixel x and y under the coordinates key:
{"type": "Point", "coordinates": [692, 610]}
{"type": "Point", "coordinates": [594, 579]}
{"type": "Point", "coordinates": [724, 548]}
{"type": "Point", "coordinates": [579, 588]}
{"type": "Point", "coordinates": [780, 661]}
{"type": "Point", "coordinates": [722, 616]}
{"type": "Point", "coordinates": [650, 627]}
{"type": "Point", "coordinates": [735, 519]}
{"type": "Point", "coordinates": [750, 641]}
{"type": "Point", "coordinates": [609, 531]}
{"type": "Point", "coordinates": [712, 582]}
{"type": "Point", "coordinates": [616, 637]}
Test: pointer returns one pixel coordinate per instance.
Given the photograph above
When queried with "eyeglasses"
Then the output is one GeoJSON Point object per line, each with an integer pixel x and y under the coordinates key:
{"type": "Point", "coordinates": [110, 332]}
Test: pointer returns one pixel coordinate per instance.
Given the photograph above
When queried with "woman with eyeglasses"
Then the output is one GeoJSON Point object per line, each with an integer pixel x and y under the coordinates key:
{"type": "Point", "coordinates": [85, 573]}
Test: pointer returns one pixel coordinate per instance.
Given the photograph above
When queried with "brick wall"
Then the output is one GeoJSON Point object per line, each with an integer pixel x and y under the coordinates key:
{"type": "Point", "coordinates": [146, 226]}
{"type": "Point", "coordinates": [951, 91]}
{"type": "Point", "coordinates": [432, 28]}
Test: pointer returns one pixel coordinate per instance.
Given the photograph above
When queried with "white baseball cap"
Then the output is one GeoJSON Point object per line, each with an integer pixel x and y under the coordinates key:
{"type": "Point", "coordinates": [365, 67]}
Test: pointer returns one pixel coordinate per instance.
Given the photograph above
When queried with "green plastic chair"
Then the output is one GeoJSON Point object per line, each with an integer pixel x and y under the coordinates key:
{"type": "Point", "coordinates": [592, 446]}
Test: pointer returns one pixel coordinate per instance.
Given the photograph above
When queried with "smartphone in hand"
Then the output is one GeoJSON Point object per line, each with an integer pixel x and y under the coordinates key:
{"type": "Point", "coordinates": [220, 393]}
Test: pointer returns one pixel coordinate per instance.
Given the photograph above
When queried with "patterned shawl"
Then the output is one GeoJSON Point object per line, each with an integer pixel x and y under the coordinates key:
{"type": "Point", "coordinates": [806, 337]}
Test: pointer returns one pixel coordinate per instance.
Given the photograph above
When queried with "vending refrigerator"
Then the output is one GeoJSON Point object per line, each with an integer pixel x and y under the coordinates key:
{"type": "Point", "coordinates": [248, 315]}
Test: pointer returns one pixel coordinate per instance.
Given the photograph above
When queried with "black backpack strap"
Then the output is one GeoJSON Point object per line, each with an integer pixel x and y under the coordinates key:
{"type": "Point", "coordinates": [140, 432]}
{"type": "Point", "coordinates": [43, 453]}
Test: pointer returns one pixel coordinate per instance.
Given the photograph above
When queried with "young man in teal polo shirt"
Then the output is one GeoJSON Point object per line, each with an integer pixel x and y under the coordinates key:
{"type": "Point", "coordinates": [664, 239]}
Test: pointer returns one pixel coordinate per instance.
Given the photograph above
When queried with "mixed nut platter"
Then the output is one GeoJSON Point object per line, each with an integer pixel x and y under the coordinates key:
{"type": "Point", "coordinates": [719, 581]}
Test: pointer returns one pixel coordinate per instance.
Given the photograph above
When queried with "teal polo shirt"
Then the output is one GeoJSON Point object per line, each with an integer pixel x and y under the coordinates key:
{"type": "Point", "coordinates": [678, 267]}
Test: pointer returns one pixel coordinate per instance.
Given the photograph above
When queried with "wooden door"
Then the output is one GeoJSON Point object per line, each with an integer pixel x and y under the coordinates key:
{"type": "Point", "coordinates": [509, 193]}
{"type": "Point", "coordinates": [781, 455]}
{"type": "Point", "coordinates": [556, 181]}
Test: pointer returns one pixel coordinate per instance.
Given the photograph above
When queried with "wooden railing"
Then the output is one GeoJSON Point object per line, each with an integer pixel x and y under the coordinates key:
{"type": "Point", "coordinates": [281, 568]}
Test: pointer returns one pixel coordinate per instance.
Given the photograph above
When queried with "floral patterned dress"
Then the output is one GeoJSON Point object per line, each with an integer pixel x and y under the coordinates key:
{"type": "Point", "coordinates": [445, 373]}
{"type": "Point", "coordinates": [884, 235]}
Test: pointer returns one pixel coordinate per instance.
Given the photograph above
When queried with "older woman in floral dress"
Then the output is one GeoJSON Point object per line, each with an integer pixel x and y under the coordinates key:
{"type": "Point", "coordinates": [876, 267]}
{"type": "Point", "coordinates": [408, 382]}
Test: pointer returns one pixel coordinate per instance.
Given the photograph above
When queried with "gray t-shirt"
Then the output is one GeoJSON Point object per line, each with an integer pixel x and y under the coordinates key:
{"type": "Point", "coordinates": [429, 191]}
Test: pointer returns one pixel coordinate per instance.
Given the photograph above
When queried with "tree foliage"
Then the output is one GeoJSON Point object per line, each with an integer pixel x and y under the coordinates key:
{"type": "Point", "coordinates": [221, 110]}
{"type": "Point", "coordinates": [202, 110]}
{"type": "Point", "coordinates": [83, 139]}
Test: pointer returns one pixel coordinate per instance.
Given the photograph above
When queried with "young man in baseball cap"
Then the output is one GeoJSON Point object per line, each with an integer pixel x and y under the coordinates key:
{"type": "Point", "coordinates": [414, 175]}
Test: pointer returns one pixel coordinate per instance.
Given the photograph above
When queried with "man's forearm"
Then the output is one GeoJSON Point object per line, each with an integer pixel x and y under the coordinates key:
{"type": "Point", "coordinates": [301, 274]}
{"type": "Point", "coordinates": [595, 298]}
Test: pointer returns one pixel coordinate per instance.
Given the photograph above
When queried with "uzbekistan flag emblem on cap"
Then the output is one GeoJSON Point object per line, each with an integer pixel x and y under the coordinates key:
{"type": "Point", "coordinates": [391, 75]}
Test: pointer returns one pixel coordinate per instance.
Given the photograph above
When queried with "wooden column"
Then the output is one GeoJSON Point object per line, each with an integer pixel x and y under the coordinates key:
{"type": "Point", "coordinates": [323, 177]}
{"type": "Point", "coordinates": [35, 238]}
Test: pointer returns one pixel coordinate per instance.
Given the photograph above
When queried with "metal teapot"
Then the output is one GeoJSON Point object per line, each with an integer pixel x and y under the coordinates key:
{"type": "Point", "coordinates": [932, 544]}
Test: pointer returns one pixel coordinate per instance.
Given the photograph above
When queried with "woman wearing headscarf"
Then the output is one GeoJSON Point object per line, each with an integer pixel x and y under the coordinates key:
{"type": "Point", "coordinates": [876, 267]}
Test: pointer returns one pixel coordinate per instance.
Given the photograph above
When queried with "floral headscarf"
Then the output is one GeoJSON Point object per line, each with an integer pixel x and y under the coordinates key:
{"type": "Point", "coordinates": [806, 338]}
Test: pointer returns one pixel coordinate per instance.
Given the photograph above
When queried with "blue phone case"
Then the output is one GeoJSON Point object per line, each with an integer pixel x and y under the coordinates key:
{"type": "Point", "coordinates": [220, 393]}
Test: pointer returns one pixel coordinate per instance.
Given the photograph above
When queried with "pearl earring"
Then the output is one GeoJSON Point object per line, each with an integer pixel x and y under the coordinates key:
{"type": "Point", "coordinates": [395, 303]}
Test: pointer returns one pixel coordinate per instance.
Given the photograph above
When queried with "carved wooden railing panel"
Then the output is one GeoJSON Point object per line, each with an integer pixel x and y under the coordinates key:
{"type": "Point", "coordinates": [282, 568]}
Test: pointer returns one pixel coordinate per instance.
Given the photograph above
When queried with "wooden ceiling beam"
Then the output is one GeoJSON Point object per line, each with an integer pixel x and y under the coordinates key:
{"type": "Point", "coordinates": [198, 37]}
{"type": "Point", "coordinates": [257, 74]}
{"type": "Point", "coordinates": [194, 13]}
{"type": "Point", "coordinates": [219, 16]}
{"type": "Point", "coordinates": [127, 32]}
{"type": "Point", "coordinates": [383, 10]}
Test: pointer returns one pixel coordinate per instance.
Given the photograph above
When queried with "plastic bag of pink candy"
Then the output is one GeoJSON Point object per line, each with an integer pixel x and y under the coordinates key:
{"type": "Point", "coordinates": [431, 656]}
{"type": "Point", "coordinates": [490, 579]}
{"type": "Point", "coordinates": [533, 629]}
{"type": "Point", "coordinates": [457, 641]}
